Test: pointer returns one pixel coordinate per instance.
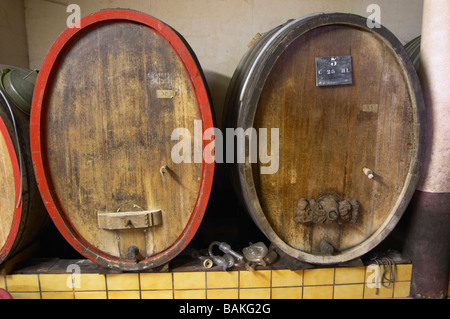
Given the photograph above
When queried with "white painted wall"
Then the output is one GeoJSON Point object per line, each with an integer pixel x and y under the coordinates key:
{"type": "Point", "coordinates": [217, 30]}
{"type": "Point", "coordinates": [13, 37]}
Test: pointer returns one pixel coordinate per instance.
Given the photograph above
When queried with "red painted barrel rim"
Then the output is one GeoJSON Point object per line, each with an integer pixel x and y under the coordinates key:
{"type": "Point", "coordinates": [10, 240]}
{"type": "Point", "coordinates": [38, 134]}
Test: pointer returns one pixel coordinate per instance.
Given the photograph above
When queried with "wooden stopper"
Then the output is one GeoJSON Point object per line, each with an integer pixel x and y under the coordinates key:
{"type": "Point", "coordinates": [368, 172]}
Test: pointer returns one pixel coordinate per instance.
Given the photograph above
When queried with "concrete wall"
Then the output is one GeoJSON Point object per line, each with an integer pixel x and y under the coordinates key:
{"type": "Point", "coordinates": [217, 30]}
{"type": "Point", "coordinates": [13, 37]}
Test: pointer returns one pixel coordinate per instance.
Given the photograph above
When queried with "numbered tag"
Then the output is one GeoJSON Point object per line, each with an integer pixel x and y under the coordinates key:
{"type": "Point", "coordinates": [164, 94]}
{"type": "Point", "coordinates": [371, 108]}
{"type": "Point", "coordinates": [335, 70]}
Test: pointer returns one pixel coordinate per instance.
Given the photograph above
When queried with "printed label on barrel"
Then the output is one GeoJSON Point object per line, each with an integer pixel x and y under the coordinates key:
{"type": "Point", "coordinates": [334, 71]}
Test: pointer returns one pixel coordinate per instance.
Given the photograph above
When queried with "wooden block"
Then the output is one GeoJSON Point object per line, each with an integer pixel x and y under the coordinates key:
{"type": "Point", "coordinates": [128, 220]}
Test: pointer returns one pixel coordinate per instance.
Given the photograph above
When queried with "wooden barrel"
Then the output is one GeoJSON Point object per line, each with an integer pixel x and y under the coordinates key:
{"type": "Point", "coordinates": [22, 213]}
{"type": "Point", "coordinates": [108, 98]}
{"type": "Point", "coordinates": [347, 104]}
{"type": "Point", "coordinates": [413, 50]}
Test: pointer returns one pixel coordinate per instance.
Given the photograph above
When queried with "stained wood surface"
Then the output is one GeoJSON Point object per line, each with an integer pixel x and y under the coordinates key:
{"type": "Point", "coordinates": [108, 135]}
{"type": "Point", "coordinates": [329, 136]}
{"type": "Point", "coordinates": [7, 189]}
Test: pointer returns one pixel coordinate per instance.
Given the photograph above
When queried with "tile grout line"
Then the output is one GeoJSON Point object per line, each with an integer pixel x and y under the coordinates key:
{"type": "Point", "coordinates": [365, 282]}
{"type": "Point", "coordinates": [39, 283]}
{"type": "Point", "coordinates": [239, 284]}
{"type": "Point", "coordinates": [73, 285]}
{"type": "Point", "coordinates": [394, 279]}
{"type": "Point", "coordinates": [6, 284]}
{"type": "Point", "coordinates": [106, 286]}
{"type": "Point", "coordinates": [270, 284]}
{"type": "Point", "coordinates": [303, 283]}
{"type": "Point", "coordinates": [139, 279]}
{"type": "Point", "coordinates": [334, 282]}
{"type": "Point", "coordinates": [173, 286]}
{"type": "Point", "coordinates": [206, 286]}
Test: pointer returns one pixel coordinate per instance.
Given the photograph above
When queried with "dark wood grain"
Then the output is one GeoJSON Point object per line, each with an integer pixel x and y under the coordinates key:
{"type": "Point", "coordinates": [329, 134]}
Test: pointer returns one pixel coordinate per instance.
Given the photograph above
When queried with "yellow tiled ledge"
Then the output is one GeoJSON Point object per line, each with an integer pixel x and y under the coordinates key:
{"type": "Point", "coordinates": [317, 283]}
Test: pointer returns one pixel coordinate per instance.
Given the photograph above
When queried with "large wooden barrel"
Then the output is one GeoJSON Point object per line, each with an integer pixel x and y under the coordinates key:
{"type": "Point", "coordinates": [22, 214]}
{"type": "Point", "coordinates": [108, 98]}
{"type": "Point", "coordinates": [349, 111]}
